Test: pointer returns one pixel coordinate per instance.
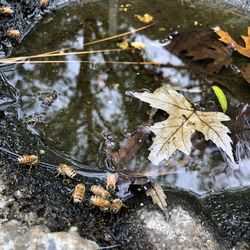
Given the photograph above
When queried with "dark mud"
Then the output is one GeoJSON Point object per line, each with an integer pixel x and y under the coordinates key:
{"type": "Point", "coordinates": [26, 14]}
{"type": "Point", "coordinates": [38, 197]}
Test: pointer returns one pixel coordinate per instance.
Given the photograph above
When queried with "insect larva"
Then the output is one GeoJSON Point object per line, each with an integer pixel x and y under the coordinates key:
{"type": "Point", "coordinates": [115, 206]}
{"type": "Point", "coordinates": [100, 191]}
{"type": "Point", "coordinates": [111, 182]}
{"type": "Point", "coordinates": [28, 159]}
{"type": "Point", "coordinates": [100, 202]}
{"type": "Point", "coordinates": [43, 3]}
{"type": "Point", "coordinates": [12, 33]}
{"type": "Point", "coordinates": [79, 193]}
{"type": "Point", "coordinates": [6, 11]}
{"type": "Point", "coordinates": [66, 170]}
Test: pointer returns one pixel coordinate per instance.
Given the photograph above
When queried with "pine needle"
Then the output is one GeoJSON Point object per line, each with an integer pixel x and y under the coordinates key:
{"type": "Point", "coordinates": [88, 61]}
{"type": "Point", "coordinates": [62, 52]}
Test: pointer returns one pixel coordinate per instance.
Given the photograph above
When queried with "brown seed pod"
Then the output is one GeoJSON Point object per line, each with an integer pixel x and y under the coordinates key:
{"type": "Point", "coordinates": [6, 11]}
{"type": "Point", "coordinates": [100, 202]}
{"type": "Point", "coordinates": [43, 3]}
{"type": "Point", "coordinates": [66, 170]}
{"type": "Point", "coordinates": [12, 33]}
{"type": "Point", "coordinates": [79, 193]}
{"type": "Point", "coordinates": [111, 182]}
{"type": "Point", "coordinates": [116, 206]}
{"type": "Point", "coordinates": [100, 191]}
{"type": "Point", "coordinates": [28, 159]}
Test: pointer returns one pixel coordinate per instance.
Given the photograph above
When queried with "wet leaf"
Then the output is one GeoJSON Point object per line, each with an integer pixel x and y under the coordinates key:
{"type": "Point", "coordinates": [201, 45]}
{"type": "Point", "coordinates": [175, 132]}
{"type": "Point", "coordinates": [123, 45]}
{"type": "Point", "coordinates": [158, 197]}
{"type": "Point", "coordinates": [227, 39]}
{"type": "Point", "coordinates": [127, 149]}
{"type": "Point", "coordinates": [138, 45]}
{"type": "Point", "coordinates": [221, 97]}
{"type": "Point", "coordinates": [245, 71]}
{"type": "Point", "coordinates": [146, 18]}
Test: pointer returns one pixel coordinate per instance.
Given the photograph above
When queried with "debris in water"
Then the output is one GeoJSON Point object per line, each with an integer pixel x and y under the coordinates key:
{"type": "Point", "coordinates": [175, 132]}
{"type": "Point", "coordinates": [146, 18]}
{"type": "Point", "coordinates": [158, 196]}
{"type": "Point", "coordinates": [138, 45]}
{"type": "Point", "coordinates": [124, 44]}
{"type": "Point", "coordinates": [201, 45]}
{"type": "Point", "coordinates": [227, 39]}
{"type": "Point", "coordinates": [221, 97]}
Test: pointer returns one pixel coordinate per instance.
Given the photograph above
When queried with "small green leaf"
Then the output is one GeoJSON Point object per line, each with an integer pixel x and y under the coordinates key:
{"type": "Point", "coordinates": [221, 97]}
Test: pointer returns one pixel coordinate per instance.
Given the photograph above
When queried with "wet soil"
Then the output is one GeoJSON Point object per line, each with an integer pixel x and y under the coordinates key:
{"type": "Point", "coordinates": [38, 197]}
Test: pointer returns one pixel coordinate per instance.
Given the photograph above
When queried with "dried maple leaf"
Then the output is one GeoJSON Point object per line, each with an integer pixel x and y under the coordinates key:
{"type": "Point", "coordinates": [175, 132]}
{"type": "Point", "coordinates": [227, 39]}
{"type": "Point", "coordinates": [199, 45]}
{"type": "Point", "coordinates": [157, 194]}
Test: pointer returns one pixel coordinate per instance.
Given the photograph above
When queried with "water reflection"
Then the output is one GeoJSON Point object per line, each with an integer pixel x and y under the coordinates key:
{"type": "Point", "coordinates": [83, 112]}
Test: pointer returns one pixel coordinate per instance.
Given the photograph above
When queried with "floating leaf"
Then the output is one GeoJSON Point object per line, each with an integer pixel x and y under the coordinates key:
{"type": "Point", "coordinates": [221, 97]}
{"type": "Point", "coordinates": [146, 18]}
{"type": "Point", "coordinates": [138, 45]}
{"type": "Point", "coordinates": [123, 45]}
{"type": "Point", "coordinates": [227, 39]}
{"type": "Point", "coordinates": [175, 132]}
{"type": "Point", "coordinates": [201, 44]}
{"type": "Point", "coordinates": [157, 194]}
{"type": "Point", "coordinates": [245, 71]}
{"type": "Point", "coordinates": [127, 149]}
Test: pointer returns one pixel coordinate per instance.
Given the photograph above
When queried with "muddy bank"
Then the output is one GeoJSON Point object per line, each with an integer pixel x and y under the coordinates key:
{"type": "Point", "coordinates": [24, 15]}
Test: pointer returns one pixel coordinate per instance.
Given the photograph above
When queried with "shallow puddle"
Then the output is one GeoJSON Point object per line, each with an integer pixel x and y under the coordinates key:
{"type": "Point", "coordinates": [73, 106]}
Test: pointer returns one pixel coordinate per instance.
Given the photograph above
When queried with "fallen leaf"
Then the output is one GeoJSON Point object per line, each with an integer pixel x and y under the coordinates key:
{"type": "Point", "coordinates": [245, 71]}
{"type": "Point", "coordinates": [175, 132]}
{"type": "Point", "coordinates": [157, 194]}
{"type": "Point", "coordinates": [138, 45]}
{"type": "Point", "coordinates": [221, 97]}
{"type": "Point", "coordinates": [123, 45]}
{"type": "Point", "coordinates": [146, 18]}
{"type": "Point", "coordinates": [118, 158]}
{"type": "Point", "coordinates": [201, 44]}
{"type": "Point", "coordinates": [227, 39]}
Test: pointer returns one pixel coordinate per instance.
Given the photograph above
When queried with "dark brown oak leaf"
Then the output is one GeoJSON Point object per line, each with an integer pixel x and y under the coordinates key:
{"type": "Point", "coordinates": [200, 45]}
